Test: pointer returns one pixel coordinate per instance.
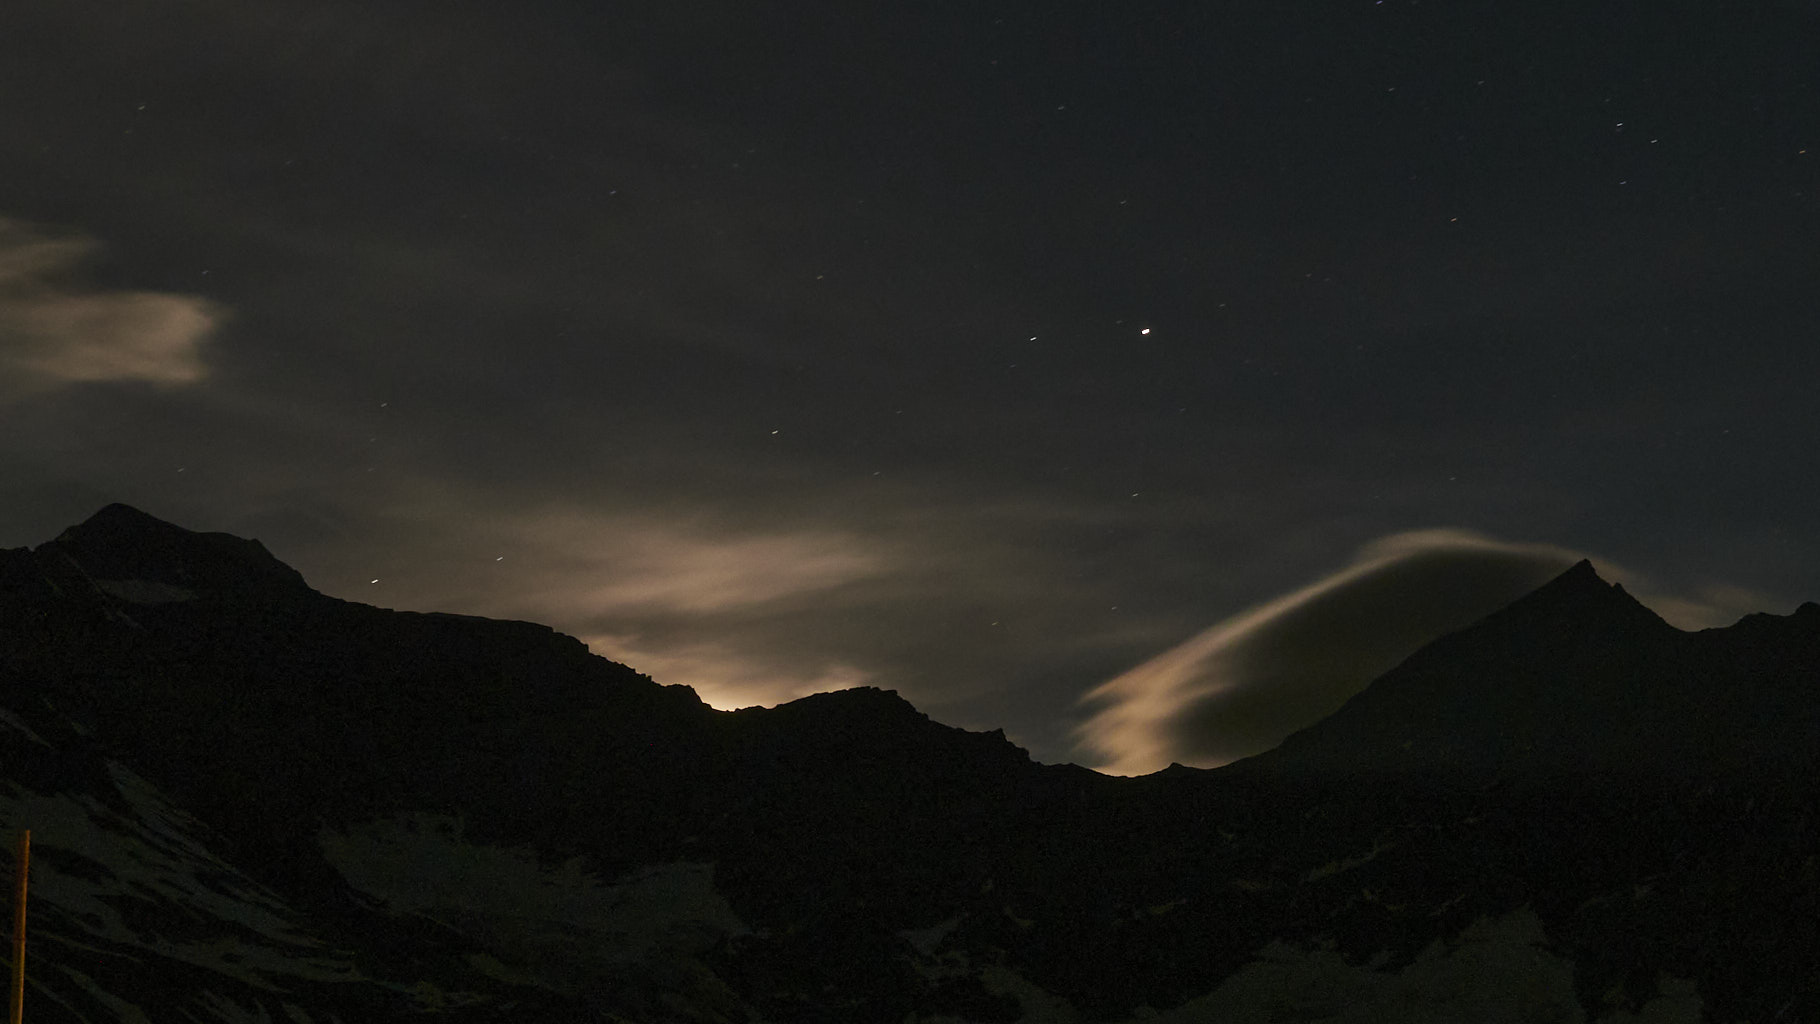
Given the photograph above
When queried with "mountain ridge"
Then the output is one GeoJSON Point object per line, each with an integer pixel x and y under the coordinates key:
{"type": "Point", "coordinates": [482, 821]}
{"type": "Point", "coordinates": [1577, 676]}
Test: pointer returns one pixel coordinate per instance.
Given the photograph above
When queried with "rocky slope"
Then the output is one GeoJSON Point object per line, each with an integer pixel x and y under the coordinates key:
{"type": "Point", "coordinates": [250, 801]}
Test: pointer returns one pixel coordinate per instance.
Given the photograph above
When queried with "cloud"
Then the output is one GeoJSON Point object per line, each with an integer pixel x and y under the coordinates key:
{"type": "Point", "coordinates": [631, 562]}
{"type": "Point", "coordinates": [676, 572]}
{"type": "Point", "coordinates": [1239, 688]}
{"type": "Point", "coordinates": [56, 331]}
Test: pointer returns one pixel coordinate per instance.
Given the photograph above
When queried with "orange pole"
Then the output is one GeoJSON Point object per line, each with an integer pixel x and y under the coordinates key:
{"type": "Point", "coordinates": [25, 859]}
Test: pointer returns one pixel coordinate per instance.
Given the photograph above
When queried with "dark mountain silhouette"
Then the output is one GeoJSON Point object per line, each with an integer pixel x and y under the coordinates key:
{"type": "Point", "coordinates": [251, 801]}
{"type": "Point", "coordinates": [1580, 677]}
{"type": "Point", "coordinates": [122, 543]}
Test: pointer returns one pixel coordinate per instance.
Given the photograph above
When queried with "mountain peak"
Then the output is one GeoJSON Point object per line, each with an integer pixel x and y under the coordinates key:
{"type": "Point", "coordinates": [123, 544]}
{"type": "Point", "coordinates": [1582, 596]}
{"type": "Point", "coordinates": [858, 706]}
{"type": "Point", "coordinates": [1579, 579]}
{"type": "Point", "coordinates": [1562, 676]}
{"type": "Point", "coordinates": [1581, 573]}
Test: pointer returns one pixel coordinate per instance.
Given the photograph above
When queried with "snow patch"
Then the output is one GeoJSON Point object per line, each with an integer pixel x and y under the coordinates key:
{"type": "Point", "coordinates": [531, 914]}
{"type": "Point", "coordinates": [1499, 971]}
{"type": "Point", "coordinates": [1677, 1001]}
{"type": "Point", "coordinates": [145, 591]}
{"type": "Point", "coordinates": [111, 872]}
{"type": "Point", "coordinates": [123, 1011]}
{"type": "Point", "coordinates": [1038, 1005]}
{"type": "Point", "coordinates": [17, 724]}
{"type": "Point", "coordinates": [926, 940]}
{"type": "Point", "coordinates": [230, 1012]}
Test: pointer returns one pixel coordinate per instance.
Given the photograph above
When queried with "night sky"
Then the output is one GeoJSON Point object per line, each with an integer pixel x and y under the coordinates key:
{"type": "Point", "coordinates": [1204, 358]}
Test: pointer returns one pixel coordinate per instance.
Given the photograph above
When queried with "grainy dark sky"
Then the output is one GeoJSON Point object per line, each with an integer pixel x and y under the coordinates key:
{"type": "Point", "coordinates": [986, 351]}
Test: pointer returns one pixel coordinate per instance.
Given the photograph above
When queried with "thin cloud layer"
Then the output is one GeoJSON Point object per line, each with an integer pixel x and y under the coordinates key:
{"type": "Point", "coordinates": [1244, 685]}
{"type": "Point", "coordinates": [633, 563]}
{"type": "Point", "coordinates": [54, 330]}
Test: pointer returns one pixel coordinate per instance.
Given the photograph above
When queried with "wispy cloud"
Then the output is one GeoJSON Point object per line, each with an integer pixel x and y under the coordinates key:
{"type": "Point", "coordinates": [56, 330]}
{"type": "Point", "coordinates": [634, 562]}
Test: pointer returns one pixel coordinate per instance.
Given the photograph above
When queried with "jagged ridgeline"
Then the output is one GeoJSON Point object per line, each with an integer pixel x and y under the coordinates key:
{"type": "Point", "coordinates": [253, 802]}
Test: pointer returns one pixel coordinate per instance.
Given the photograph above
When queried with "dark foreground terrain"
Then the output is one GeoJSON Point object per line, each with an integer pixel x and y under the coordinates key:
{"type": "Point", "coordinates": [251, 802]}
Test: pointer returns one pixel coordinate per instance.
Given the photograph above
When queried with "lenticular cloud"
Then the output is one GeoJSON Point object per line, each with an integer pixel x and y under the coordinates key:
{"type": "Point", "coordinates": [1242, 686]}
